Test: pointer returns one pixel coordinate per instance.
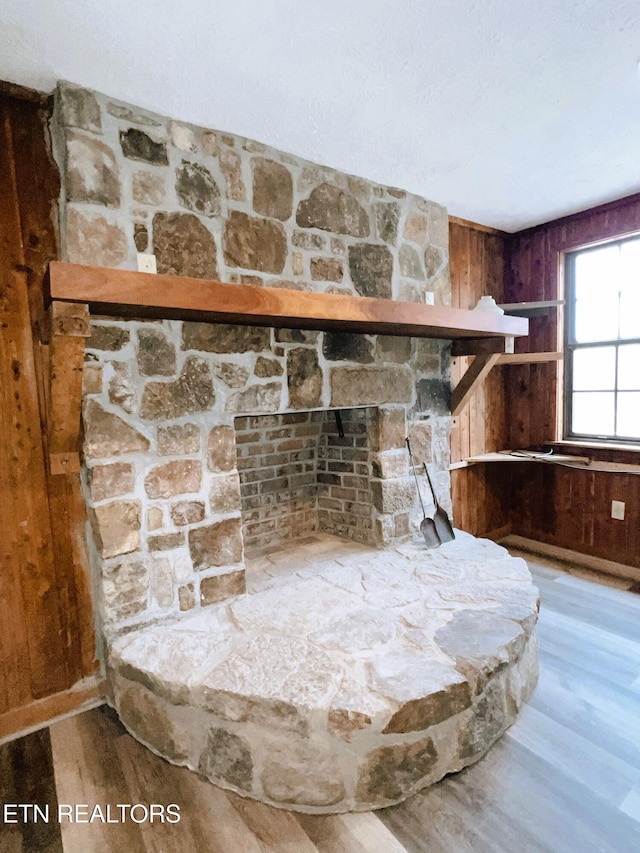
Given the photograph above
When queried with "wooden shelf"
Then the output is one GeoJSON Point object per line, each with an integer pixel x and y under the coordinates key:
{"type": "Point", "coordinates": [531, 309]}
{"type": "Point", "coordinates": [529, 357]}
{"type": "Point", "coordinates": [126, 293]}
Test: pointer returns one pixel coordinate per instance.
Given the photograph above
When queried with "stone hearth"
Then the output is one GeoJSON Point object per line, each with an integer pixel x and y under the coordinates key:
{"type": "Point", "coordinates": [348, 679]}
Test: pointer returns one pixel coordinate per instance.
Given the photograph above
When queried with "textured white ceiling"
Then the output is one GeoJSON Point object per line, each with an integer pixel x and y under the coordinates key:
{"type": "Point", "coordinates": [508, 112]}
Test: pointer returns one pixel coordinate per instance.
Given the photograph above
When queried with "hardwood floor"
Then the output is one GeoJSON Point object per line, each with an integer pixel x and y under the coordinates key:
{"type": "Point", "coordinates": [565, 778]}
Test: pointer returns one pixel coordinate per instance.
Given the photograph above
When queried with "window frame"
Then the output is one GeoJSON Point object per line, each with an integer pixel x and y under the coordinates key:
{"type": "Point", "coordinates": [570, 346]}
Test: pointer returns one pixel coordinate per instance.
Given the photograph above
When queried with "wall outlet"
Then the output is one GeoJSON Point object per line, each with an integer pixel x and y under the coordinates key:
{"type": "Point", "coordinates": [430, 297]}
{"type": "Point", "coordinates": [617, 510]}
{"type": "Point", "coordinates": [146, 263]}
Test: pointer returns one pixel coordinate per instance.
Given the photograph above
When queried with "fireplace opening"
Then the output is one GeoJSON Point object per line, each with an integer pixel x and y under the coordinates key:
{"type": "Point", "coordinates": [305, 472]}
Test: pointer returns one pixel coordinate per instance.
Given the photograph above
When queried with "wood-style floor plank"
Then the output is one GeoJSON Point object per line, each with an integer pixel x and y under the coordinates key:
{"type": "Point", "coordinates": [565, 777]}
{"type": "Point", "coordinates": [26, 777]}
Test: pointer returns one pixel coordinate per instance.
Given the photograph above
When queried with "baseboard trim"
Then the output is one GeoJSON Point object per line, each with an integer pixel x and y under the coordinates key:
{"type": "Point", "coordinates": [588, 561]}
{"type": "Point", "coordinates": [86, 694]}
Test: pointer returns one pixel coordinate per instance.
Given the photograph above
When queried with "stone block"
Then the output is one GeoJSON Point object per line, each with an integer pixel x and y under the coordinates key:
{"type": "Point", "coordinates": [92, 173]}
{"type": "Point", "coordinates": [272, 188]}
{"type": "Point", "coordinates": [492, 716]}
{"type": "Point", "coordinates": [345, 346]}
{"type": "Point", "coordinates": [183, 245]}
{"type": "Point", "coordinates": [147, 715]}
{"type": "Point", "coordinates": [161, 581]}
{"type": "Point", "coordinates": [227, 758]}
{"type": "Point", "coordinates": [253, 243]}
{"type": "Point", "coordinates": [182, 137]}
{"type": "Point", "coordinates": [109, 481]}
{"type": "Point", "coordinates": [106, 434]}
{"type": "Point", "coordinates": [231, 167]}
{"type": "Point", "coordinates": [221, 449]}
{"type": "Point", "coordinates": [124, 588]}
{"type": "Point", "coordinates": [154, 518]}
{"type": "Point", "coordinates": [225, 338]}
{"type": "Point", "coordinates": [420, 434]}
{"type": "Point", "coordinates": [391, 772]}
{"type": "Point", "coordinates": [304, 379]}
{"type": "Point", "coordinates": [220, 587]}
{"type": "Point", "coordinates": [481, 643]}
{"type": "Point", "coordinates": [256, 399]}
{"type": "Point", "coordinates": [390, 496]}
{"type": "Point", "coordinates": [94, 241]}
{"type": "Point", "coordinates": [233, 375]}
{"type": "Point", "coordinates": [371, 268]}
{"type": "Point", "coordinates": [117, 528]}
{"type": "Point", "coordinates": [304, 240]}
{"type": "Point", "coordinates": [141, 236]}
{"type": "Point", "coordinates": [435, 259]}
{"type": "Point", "coordinates": [138, 145]}
{"type": "Point", "coordinates": [390, 464]}
{"type": "Point", "coordinates": [173, 478]}
{"type": "Point", "coordinates": [186, 597]}
{"type": "Point", "coordinates": [92, 379]}
{"type": "Point", "coordinates": [224, 495]}
{"type": "Point", "coordinates": [148, 188]}
{"type": "Point", "coordinates": [331, 209]}
{"type": "Point", "coordinates": [79, 108]}
{"type": "Point", "coordinates": [187, 512]}
{"type": "Point", "coordinates": [178, 440]}
{"type": "Point", "coordinates": [370, 386]}
{"type": "Point", "coordinates": [121, 387]}
{"type": "Point", "coordinates": [389, 429]}
{"type": "Point", "coordinates": [433, 396]}
{"type": "Point", "coordinates": [387, 216]}
{"type": "Point", "coordinates": [166, 542]}
{"type": "Point", "coordinates": [296, 336]}
{"type": "Point", "coordinates": [267, 367]}
{"type": "Point", "coordinates": [394, 349]}
{"type": "Point", "coordinates": [218, 544]}
{"type": "Point", "coordinates": [156, 356]}
{"type": "Point", "coordinates": [410, 263]}
{"type": "Point", "coordinates": [192, 392]}
{"type": "Point", "coordinates": [415, 228]}
{"type": "Point", "coordinates": [197, 190]}
{"type": "Point", "coordinates": [296, 772]}
{"type": "Point", "coordinates": [326, 269]}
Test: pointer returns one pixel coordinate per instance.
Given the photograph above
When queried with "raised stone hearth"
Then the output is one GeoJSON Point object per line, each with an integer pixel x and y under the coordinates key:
{"type": "Point", "coordinates": [347, 679]}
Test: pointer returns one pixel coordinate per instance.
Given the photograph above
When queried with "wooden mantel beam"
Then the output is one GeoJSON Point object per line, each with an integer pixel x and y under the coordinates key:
{"type": "Point", "coordinates": [126, 293]}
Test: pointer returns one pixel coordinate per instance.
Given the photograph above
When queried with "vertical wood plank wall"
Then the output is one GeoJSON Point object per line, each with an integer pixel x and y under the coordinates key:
{"type": "Point", "coordinates": [480, 494]}
{"type": "Point", "coordinates": [560, 506]}
{"type": "Point", "coordinates": [46, 623]}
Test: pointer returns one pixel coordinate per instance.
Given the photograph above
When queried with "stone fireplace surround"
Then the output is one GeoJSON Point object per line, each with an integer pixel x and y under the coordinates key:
{"type": "Point", "coordinates": [168, 404]}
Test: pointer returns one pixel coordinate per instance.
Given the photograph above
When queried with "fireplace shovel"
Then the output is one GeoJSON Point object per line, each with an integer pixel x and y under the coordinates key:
{"type": "Point", "coordinates": [443, 526]}
{"type": "Point", "coordinates": [427, 525]}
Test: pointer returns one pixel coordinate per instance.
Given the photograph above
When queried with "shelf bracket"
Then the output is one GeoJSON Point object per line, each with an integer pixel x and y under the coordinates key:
{"type": "Point", "coordinates": [475, 374]}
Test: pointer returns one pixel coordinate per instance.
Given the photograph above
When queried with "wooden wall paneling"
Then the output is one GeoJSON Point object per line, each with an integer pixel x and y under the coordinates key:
{"type": "Point", "coordinates": [581, 500]}
{"type": "Point", "coordinates": [479, 493]}
{"type": "Point", "coordinates": [46, 637]}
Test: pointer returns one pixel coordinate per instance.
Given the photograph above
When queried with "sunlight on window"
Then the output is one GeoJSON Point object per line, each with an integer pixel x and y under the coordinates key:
{"type": "Point", "coordinates": [593, 413]}
{"type": "Point", "coordinates": [603, 342]}
{"type": "Point", "coordinates": [628, 415]}
{"type": "Point", "coordinates": [629, 368]}
{"type": "Point", "coordinates": [594, 369]}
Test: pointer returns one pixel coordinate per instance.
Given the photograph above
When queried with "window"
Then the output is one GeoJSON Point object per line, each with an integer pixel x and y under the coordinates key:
{"type": "Point", "coordinates": [602, 343]}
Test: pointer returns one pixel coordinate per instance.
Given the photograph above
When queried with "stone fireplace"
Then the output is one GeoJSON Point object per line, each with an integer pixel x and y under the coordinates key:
{"type": "Point", "coordinates": [206, 444]}
{"type": "Point", "coordinates": [175, 488]}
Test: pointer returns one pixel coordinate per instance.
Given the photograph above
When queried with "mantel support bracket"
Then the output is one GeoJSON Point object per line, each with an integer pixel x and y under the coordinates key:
{"type": "Point", "coordinates": [69, 325]}
{"type": "Point", "coordinates": [486, 352]}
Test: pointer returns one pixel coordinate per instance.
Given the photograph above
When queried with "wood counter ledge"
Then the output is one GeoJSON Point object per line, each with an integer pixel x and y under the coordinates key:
{"type": "Point", "coordinates": [126, 293]}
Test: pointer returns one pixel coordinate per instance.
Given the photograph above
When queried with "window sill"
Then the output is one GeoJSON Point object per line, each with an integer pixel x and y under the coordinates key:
{"type": "Point", "coordinates": [609, 448]}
